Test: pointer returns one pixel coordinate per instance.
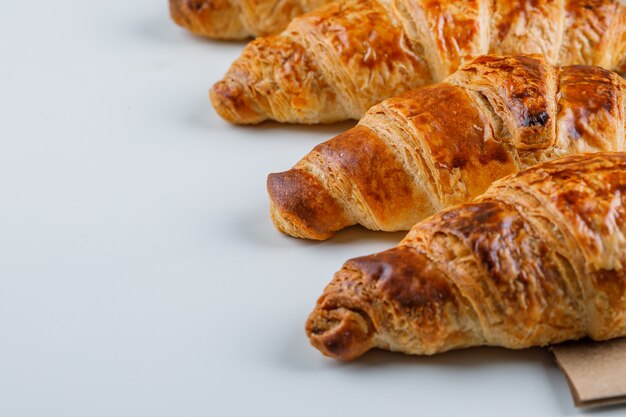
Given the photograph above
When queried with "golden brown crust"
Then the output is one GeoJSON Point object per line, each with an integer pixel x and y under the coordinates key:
{"type": "Point", "coordinates": [371, 55]}
{"type": "Point", "coordinates": [313, 213]}
{"type": "Point", "coordinates": [586, 198]}
{"type": "Point", "coordinates": [590, 106]}
{"type": "Point", "coordinates": [303, 94]}
{"type": "Point", "coordinates": [393, 272]}
{"type": "Point", "coordinates": [448, 31]}
{"type": "Point", "coordinates": [268, 17]}
{"type": "Point", "coordinates": [521, 90]}
{"type": "Point", "coordinates": [537, 259]}
{"type": "Point", "coordinates": [512, 268]}
{"type": "Point", "coordinates": [537, 25]}
{"type": "Point", "coordinates": [369, 50]}
{"type": "Point", "coordinates": [216, 19]}
{"type": "Point", "coordinates": [413, 155]}
{"type": "Point", "coordinates": [593, 32]}
{"type": "Point", "coordinates": [442, 112]}
{"type": "Point", "coordinates": [238, 19]}
{"type": "Point", "coordinates": [376, 173]}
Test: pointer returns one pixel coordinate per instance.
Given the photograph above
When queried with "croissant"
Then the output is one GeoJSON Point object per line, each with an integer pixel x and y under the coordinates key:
{"type": "Point", "coordinates": [336, 62]}
{"type": "Point", "coordinates": [540, 258]}
{"type": "Point", "coordinates": [238, 19]}
{"type": "Point", "coordinates": [444, 144]}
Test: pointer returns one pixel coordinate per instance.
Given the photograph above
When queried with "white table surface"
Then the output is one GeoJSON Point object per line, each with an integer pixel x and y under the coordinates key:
{"type": "Point", "coordinates": [140, 274]}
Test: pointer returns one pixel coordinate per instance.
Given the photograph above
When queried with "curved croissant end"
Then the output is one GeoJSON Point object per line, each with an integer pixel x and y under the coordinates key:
{"type": "Point", "coordinates": [340, 333]}
{"type": "Point", "coordinates": [313, 214]}
{"type": "Point", "coordinates": [231, 103]}
{"type": "Point", "coordinates": [217, 19]}
{"type": "Point", "coordinates": [276, 80]}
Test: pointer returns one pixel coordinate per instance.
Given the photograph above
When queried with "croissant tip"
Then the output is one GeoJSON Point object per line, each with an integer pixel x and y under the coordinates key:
{"type": "Point", "coordinates": [177, 13]}
{"type": "Point", "coordinates": [340, 333]}
{"type": "Point", "coordinates": [215, 19]}
{"type": "Point", "coordinates": [292, 227]}
{"type": "Point", "coordinates": [231, 102]}
{"type": "Point", "coordinates": [187, 17]}
{"type": "Point", "coordinates": [301, 207]}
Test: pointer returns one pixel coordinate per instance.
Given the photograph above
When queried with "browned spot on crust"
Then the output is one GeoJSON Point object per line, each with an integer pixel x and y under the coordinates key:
{"type": "Point", "coordinates": [455, 135]}
{"type": "Point", "coordinates": [593, 207]}
{"type": "Point", "coordinates": [589, 105]}
{"type": "Point", "coordinates": [612, 283]}
{"type": "Point", "coordinates": [407, 277]}
{"type": "Point", "coordinates": [491, 228]}
{"type": "Point", "coordinates": [521, 84]}
{"type": "Point", "coordinates": [303, 201]}
{"type": "Point", "coordinates": [374, 169]}
{"type": "Point", "coordinates": [517, 88]}
{"type": "Point", "coordinates": [519, 265]}
{"type": "Point", "coordinates": [361, 32]}
{"type": "Point", "coordinates": [594, 88]}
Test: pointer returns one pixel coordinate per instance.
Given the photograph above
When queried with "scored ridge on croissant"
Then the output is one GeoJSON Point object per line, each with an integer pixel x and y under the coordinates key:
{"type": "Point", "coordinates": [336, 62]}
{"type": "Point", "coordinates": [444, 144]}
{"type": "Point", "coordinates": [540, 258]}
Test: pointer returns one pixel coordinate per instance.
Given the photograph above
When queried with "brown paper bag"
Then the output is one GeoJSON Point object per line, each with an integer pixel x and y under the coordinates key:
{"type": "Point", "coordinates": [596, 371]}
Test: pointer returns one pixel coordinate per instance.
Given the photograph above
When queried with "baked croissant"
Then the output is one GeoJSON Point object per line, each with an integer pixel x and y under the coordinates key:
{"type": "Point", "coordinates": [238, 19]}
{"type": "Point", "coordinates": [336, 62]}
{"type": "Point", "coordinates": [540, 258]}
{"type": "Point", "coordinates": [444, 144]}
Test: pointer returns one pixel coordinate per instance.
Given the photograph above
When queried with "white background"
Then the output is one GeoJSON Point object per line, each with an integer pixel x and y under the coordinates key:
{"type": "Point", "coordinates": [140, 274]}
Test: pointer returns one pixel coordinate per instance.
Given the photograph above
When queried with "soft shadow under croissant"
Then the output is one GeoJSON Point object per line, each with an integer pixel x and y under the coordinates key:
{"type": "Point", "coordinates": [540, 258]}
